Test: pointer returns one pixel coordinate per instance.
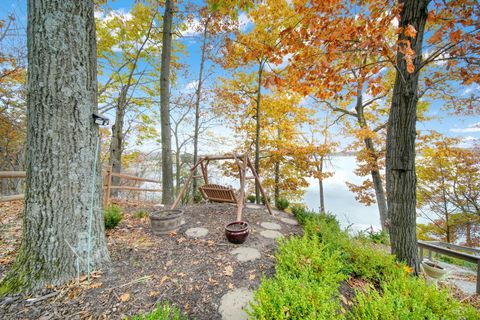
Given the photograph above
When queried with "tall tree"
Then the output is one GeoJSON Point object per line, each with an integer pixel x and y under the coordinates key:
{"type": "Point", "coordinates": [167, 162]}
{"type": "Point", "coordinates": [401, 133]}
{"type": "Point", "coordinates": [63, 230]}
{"type": "Point", "coordinates": [125, 42]}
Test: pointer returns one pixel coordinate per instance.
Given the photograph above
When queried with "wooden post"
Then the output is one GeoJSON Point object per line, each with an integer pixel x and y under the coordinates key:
{"type": "Point", "coordinates": [185, 186]}
{"type": "Point", "coordinates": [108, 185]}
{"type": "Point", "coordinates": [257, 180]}
{"type": "Point", "coordinates": [242, 165]}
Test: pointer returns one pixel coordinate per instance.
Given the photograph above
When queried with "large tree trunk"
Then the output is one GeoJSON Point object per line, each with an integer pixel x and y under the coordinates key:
{"type": "Point", "coordinates": [167, 165]}
{"type": "Point", "coordinates": [400, 168]}
{"type": "Point", "coordinates": [116, 143]}
{"type": "Point", "coordinates": [198, 99]}
{"type": "Point", "coordinates": [61, 150]}
{"type": "Point", "coordinates": [257, 130]}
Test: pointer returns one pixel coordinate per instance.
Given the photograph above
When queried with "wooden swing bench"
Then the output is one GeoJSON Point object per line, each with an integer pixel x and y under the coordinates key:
{"type": "Point", "coordinates": [218, 193]}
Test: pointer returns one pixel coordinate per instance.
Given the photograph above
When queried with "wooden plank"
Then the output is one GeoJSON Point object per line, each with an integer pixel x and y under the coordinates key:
{"type": "Point", "coordinates": [129, 177]}
{"type": "Point", "coordinates": [12, 174]}
{"type": "Point", "coordinates": [221, 157]}
{"type": "Point", "coordinates": [12, 198]}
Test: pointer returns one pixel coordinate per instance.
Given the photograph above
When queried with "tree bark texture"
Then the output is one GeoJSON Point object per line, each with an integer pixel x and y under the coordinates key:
{"type": "Point", "coordinates": [400, 164]}
{"type": "Point", "coordinates": [61, 149]}
{"type": "Point", "coordinates": [167, 165]}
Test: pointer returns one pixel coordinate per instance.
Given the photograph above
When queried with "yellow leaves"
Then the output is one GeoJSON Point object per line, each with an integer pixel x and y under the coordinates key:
{"type": "Point", "coordinates": [407, 269]}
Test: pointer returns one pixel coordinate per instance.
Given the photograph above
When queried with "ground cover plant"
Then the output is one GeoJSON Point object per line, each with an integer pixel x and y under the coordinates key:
{"type": "Point", "coordinates": [311, 269]}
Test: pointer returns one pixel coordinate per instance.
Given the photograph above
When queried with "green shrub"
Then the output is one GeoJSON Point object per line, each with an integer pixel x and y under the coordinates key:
{"type": "Point", "coordinates": [162, 312]}
{"type": "Point", "coordinates": [197, 197]}
{"type": "Point", "coordinates": [378, 237]}
{"type": "Point", "coordinates": [372, 264]}
{"type": "Point", "coordinates": [140, 214]}
{"type": "Point", "coordinates": [308, 274]}
{"type": "Point", "coordinates": [112, 216]}
{"type": "Point", "coordinates": [409, 298]}
{"type": "Point", "coordinates": [282, 204]}
{"type": "Point", "coordinates": [251, 198]}
{"type": "Point", "coordinates": [285, 297]}
{"type": "Point", "coordinates": [310, 269]}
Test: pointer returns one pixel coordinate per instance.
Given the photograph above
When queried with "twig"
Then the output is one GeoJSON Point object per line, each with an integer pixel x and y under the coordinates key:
{"type": "Point", "coordinates": [131, 282]}
{"type": "Point", "coordinates": [33, 300]}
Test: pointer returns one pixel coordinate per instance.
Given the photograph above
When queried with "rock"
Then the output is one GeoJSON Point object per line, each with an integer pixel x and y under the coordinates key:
{"type": "Point", "coordinates": [254, 206]}
{"type": "Point", "coordinates": [234, 303]}
{"type": "Point", "coordinates": [271, 234]}
{"type": "Point", "coordinates": [244, 254]}
{"type": "Point", "coordinates": [292, 222]}
{"type": "Point", "coordinates": [271, 225]}
{"type": "Point", "coordinates": [196, 232]}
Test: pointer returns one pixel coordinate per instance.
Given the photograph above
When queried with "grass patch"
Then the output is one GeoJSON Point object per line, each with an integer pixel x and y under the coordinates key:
{"type": "Point", "coordinates": [162, 312]}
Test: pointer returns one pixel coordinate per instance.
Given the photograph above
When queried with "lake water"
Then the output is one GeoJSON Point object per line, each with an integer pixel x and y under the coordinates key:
{"type": "Point", "coordinates": [339, 200]}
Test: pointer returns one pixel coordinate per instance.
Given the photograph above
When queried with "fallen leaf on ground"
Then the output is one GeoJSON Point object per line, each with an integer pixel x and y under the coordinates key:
{"type": "Point", "coordinates": [154, 294]}
{"type": "Point", "coordinates": [230, 286]}
{"type": "Point", "coordinates": [125, 297]}
{"type": "Point", "coordinates": [251, 277]}
{"type": "Point", "coordinates": [164, 278]}
{"type": "Point", "coordinates": [96, 285]}
{"type": "Point", "coordinates": [228, 271]}
{"type": "Point", "coordinates": [212, 281]}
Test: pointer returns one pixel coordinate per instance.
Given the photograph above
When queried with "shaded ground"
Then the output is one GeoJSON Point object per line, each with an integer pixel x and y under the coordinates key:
{"type": "Point", "coordinates": [192, 274]}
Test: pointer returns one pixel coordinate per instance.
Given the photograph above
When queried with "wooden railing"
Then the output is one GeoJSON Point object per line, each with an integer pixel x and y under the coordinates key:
{"type": "Point", "coordinates": [452, 250]}
{"type": "Point", "coordinates": [107, 184]}
{"type": "Point", "coordinates": [12, 175]}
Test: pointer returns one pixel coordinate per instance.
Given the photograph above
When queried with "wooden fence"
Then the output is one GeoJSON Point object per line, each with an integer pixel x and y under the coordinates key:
{"type": "Point", "coordinates": [107, 184]}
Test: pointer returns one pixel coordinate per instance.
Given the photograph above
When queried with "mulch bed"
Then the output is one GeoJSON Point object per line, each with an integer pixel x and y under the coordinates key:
{"type": "Point", "coordinates": [192, 274]}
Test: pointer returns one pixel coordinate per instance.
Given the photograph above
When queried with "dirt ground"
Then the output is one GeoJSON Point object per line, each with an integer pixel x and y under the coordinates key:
{"type": "Point", "coordinates": [192, 274]}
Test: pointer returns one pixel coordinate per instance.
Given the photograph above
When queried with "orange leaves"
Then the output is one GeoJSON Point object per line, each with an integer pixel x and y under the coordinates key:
{"type": "Point", "coordinates": [410, 31]}
{"type": "Point", "coordinates": [405, 48]}
{"type": "Point", "coordinates": [455, 36]}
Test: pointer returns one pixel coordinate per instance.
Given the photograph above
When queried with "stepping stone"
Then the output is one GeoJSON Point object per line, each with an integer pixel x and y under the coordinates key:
{"type": "Point", "coordinates": [293, 222]}
{"type": "Point", "coordinates": [234, 303]}
{"type": "Point", "coordinates": [271, 234]}
{"type": "Point", "coordinates": [254, 206]}
{"type": "Point", "coordinates": [244, 254]}
{"type": "Point", "coordinates": [196, 232]}
{"type": "Point", "coordinates": [271, 225]}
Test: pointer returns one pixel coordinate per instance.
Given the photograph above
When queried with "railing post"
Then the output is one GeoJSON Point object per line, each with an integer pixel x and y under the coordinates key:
{"type": "Point", "coordinates": [108, 184]}
{"type": "Point", "coordinates": [478, 277]}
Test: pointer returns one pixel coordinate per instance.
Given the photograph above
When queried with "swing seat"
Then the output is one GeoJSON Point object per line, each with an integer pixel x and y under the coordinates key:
{"type": "Point", "coordinates": [218, 193]}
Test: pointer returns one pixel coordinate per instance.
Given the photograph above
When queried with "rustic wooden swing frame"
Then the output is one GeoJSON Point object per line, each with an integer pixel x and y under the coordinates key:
{"type": "Point", "coordinates": [225, 194]}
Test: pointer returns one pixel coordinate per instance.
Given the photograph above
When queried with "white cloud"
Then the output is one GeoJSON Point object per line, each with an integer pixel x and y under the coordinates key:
{"type": "Point", "coordinates": [191, 85]}
{"type": "Point", "coordinates": [472, 128]}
